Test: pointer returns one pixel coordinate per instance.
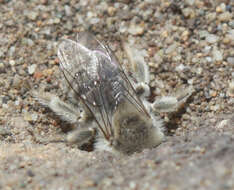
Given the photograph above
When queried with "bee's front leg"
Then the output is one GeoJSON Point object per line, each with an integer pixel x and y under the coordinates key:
{"type": "Point", "coordinates": [66, 111]}
{"type": "Point", "coordinates": [70, 113]}
{"type": "Point", "coordinates": [81, 136]}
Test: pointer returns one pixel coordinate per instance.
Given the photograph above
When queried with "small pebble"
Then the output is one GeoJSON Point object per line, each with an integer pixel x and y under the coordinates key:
{"type": "Point", "coordinates": [17, 81]}
{"type": "Point", "coordinates": [230, 91]}
{"type": "Point", "coordinates": [29, 42]}
{"type": "Point", "coordinates": [221, 8]}
{"type": "Point", "coordinates": [226, 40]}
{"type": "Point", "coordinates": [123, 28]}
{"type": "Point", "coordinates": [12, 51]}
{"type": "Point", "coordinates": [32, 15]}
{"type": "Point", "coordinates": [30, 117]}
{"type": "Point", "coordinates": [209, 59]}
{"type": "Point", "coordinates": [158, 59]}
{"type": "Point", "coordinates": [68, 25]}
{"type": "Point", "coordinates": [68, 11]}
{"type": "Point", "coordinates": [111, 11]}
{"type": "Point", "coordinates": [203, 33]}
{"type": "Point", "coordinates": [215, 107]}
{"type": "Point", "coordinates": [4, 132]}
{"type": "Point", "coordinates": [230, 60]}
{"type": "Point", "coordinates": [180, 67]}
{"type": "Point", "coordinates": [171, 48]}
{"type": "Point", "coordinates": [44, 2]}
{"type": "Point", "coordinates": [1, 53]}
{"type": "Point", "coordinates": [225, 17]}
{"type": "Point", "coordinates": [17, 102]}
{"type": "Point", "coordinates": [188, 12]}
{"type": "Point", "coordinates": [211, 38]}
{"type": "Point", "coordinates": [190, 2]}
{"type": "Point", "coordinates": [88, 183]}
{"type": "Point", "coordinates": [211, 16]}
{"type": "Point", "coordinates": [185, 35]}
{"type": "Point", "coordinates": [2, 68]}
{"type": "Point", "coordinates": [231, 23]}
{"type": "Point", "coordinates": [94, 20]}
{"type": "Point", "coordinates": [222, 124]}
{"type": "Point", "coordinates": [199, 70]}
{"type": "Point", "coordinates": [12, 62]}
{"type": "Point", "coordinates": [217, 55]}
{"type": "Point", "coordinates": [32, 69]}
{"type": "Point", "coordinates": [136, 29]}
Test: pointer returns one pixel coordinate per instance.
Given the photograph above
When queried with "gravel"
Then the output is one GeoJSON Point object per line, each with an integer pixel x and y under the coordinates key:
{"type": "Point", "coordinates": [184, 42]}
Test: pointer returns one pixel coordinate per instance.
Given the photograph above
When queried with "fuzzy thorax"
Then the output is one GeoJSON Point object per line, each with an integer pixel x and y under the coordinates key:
{"type": "Point", "coordinates": [133, 131]}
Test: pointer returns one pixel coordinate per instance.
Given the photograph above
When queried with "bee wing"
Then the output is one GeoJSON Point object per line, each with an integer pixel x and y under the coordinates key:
{"type": "Point", "coordinates": [101, 50]}
{"type": "Point", "coordinates": [97, 78]}
{"type": "Point", "coordinates": [89, 41]}
{"type": "Point", "coordinates": [80, 66]}
{"type": "Point", "coordinates": [138, 67]}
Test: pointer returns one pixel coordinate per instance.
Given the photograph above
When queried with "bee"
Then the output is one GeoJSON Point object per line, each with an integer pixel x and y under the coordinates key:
{"type": "Point", "coordinates": [108, 102]}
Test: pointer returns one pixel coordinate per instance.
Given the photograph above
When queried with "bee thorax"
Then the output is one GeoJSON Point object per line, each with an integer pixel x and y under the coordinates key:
{"type": "Point", "coordinates": [134, 131]}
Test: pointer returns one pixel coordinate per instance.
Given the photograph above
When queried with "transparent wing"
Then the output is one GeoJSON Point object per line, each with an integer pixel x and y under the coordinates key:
{"type": "Point", "coordinates": [78, 64]}
{"type": "Point", "coordinates": [97, 78]}
{"type": "Point", "coordinates": [90, 42]}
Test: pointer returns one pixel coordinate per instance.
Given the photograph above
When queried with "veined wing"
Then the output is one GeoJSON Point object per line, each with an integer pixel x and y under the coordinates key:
{"type": "Point", "coordinates": [102, 50]}
{"type": "Point", "coordinates": [97, 78]}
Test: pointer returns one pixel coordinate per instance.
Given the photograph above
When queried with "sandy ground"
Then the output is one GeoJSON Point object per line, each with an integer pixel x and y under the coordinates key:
{"type": "Point", "coordinates": [184, 42]}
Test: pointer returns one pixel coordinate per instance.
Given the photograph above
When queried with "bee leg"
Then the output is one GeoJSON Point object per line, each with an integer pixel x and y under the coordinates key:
{"type": "Point", "coordinates": [137, 65]}
{"type": "Point", "coordinates": [168, 104]}
{"type": "Point", "coordinates": [66, 111]}
{"type": "Point", "coordinates": [142, 89]}
{"type": "Point", "coordinates": [81, 136]}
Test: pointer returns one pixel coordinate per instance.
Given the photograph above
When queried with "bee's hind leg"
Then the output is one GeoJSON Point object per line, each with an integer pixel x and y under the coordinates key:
{"type": "Point", "coordinates": [167, 104]}
{"type": "Point", "coordinates": [142, 89]}
{"type": "Point", "coordinates": [138, 68]}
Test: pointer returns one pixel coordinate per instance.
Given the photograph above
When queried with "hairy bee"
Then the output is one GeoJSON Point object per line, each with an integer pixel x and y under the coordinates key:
{"type": "Point", "coordinates": [108, 105]}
